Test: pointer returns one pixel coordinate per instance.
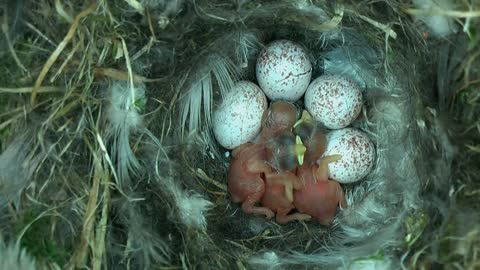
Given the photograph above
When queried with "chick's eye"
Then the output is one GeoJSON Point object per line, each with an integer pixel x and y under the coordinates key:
{"type": "Point", "coordinates": [304, 131]}
{"type": "Point", "coordinates": [288, 161]}
{"type": "Point", "coordinates": [282, 152]}
{"type": "Point", "coordinates": [285, 139]}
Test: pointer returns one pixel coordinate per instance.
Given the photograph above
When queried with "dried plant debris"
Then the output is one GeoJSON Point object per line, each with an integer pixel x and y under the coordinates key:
{"type": "Point", "coordinates": [107, 159]}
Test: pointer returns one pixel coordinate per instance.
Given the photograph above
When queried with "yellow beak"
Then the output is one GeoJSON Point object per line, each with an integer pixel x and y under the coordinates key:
{"type": "Point", "coordinates": [306, 118]}
{"type": "Point", "coordinates": [299, 150]}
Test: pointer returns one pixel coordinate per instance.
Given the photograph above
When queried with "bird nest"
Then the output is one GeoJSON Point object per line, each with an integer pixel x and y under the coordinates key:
{"type": "Point", "coordinates": [108, 159]}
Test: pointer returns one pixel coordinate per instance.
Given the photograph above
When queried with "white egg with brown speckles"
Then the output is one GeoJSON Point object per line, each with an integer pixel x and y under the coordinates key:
{"type": "Point", "coordinates": [357, 151]}
{"type": "Point", "coordinates": [283, 70]}
{"type": "Point", "coordinates": [238, 118]}
{"type": "Point", "coordinates": [333, 100]}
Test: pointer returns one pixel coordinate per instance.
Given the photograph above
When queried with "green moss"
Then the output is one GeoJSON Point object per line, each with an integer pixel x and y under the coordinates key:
{"type": "Point", "coordinates": [38, 240]}
{"type": "Point", "coordinates": [415, 225]}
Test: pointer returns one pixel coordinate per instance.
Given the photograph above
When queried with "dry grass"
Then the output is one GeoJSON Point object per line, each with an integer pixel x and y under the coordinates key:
{"type": "Point", "coordinates": [53, 77]}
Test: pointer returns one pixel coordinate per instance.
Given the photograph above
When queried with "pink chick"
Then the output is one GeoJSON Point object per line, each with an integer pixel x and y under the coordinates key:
{"type": "Point", "coordinates": [280, 117]}
{"type": "Point", "coordinates": [319, 197]}
{"type": "Point", "coordinates": [278, 196]}
{"type": "Point", "coordinates": [245, 182]}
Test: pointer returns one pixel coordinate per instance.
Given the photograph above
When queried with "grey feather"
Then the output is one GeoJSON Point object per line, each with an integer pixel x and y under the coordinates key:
{"type": "Point", "coordinates": [18, 164]}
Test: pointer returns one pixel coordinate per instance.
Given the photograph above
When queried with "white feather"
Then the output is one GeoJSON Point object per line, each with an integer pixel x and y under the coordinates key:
{"type": "Point", "coordinates": [369, 264]}
{"type": "Point", "coordinates": [192, 210]}
{"type": "Point", "coordinates": [123, 113]}
{"type": "Point", "coordinates": [268, 260]}
{"type": "Point", "coordinates": [440, 25]}
{"type": "Point", "coordinates": [215, 75]}
{"type": "Point", "coordinates": [247, 47]}
{"type": "Point", "coordinates": [13, 257]}
{"type": "Point", "coordinates": [198, 100]}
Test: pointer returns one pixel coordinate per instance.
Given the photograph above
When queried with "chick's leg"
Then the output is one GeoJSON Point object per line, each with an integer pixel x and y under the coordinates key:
{"type": "Point", "coordinates": [282, 218]}
{"type": "Point", "coordinates": [321, 173]}
{"type": "Point", "coordinates": [258, 166]}
{"type": "Point", "coordinates": [248, 206]}
{"type": "Point", "coordinates": [284, 179]}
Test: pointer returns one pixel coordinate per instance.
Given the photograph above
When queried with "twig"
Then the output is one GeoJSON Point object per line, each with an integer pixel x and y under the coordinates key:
{"type": "Point", "coordinates": [121, 75]}
{"type": "Point", "coordinates": [101, 230]}
{"type": "Point", "coordinates": [387, 29]}
{"type": "Point", "coordinates": [80, 256]}
{"type": "Point", "coordinates": [61, 11]}
{"type": "Point", "coordinates": [312, 24]}
{"type": "Point", "coordinates": [69, 57]}
{"type": "Point", "coordinates": [129, 68]}
{"type": "Point", "coordinates": [11, 49]}
{"type": "Point", "coordinates": [32, 27]}
{"type": "Point", "coordinates": [200, 173]}
{"type": "Point", "coordinates": [54, 56]}
{"type": "Point", "coordinates": [450, 13]}
{"type": "Point", "coordinates": [150, 25]}
{"type": "Point", "coordinates": [23, 90]}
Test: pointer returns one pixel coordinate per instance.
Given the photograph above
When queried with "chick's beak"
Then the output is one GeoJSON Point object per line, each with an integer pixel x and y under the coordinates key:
{"type": "Point", "coordinates": [306, 118]}
{"type": "Point", "coordinates": [299, 150]}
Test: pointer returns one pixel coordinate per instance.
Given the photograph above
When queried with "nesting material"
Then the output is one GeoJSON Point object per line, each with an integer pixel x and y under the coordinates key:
{"type": "Point", "coordinates": [13, 257]}
{"type": "Point", "coordinates": [109, 157]}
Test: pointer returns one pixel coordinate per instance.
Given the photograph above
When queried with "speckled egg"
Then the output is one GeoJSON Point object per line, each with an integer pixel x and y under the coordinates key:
{"type": "Point", "coordinates": [283, 70]}
{"type": "Point", "coordinates": [238, 118]}
{"type": "Point", "coordinates": [357, 151]}
{"type": "Point", "coordinates": [333, 100]}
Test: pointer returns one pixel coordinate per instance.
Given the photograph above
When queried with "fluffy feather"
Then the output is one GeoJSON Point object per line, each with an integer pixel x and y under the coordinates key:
{"type": "Point", "coordinates": [123, 114]}
{"type": "Point", "coordinates": [190, 207]}
{"type": "Point", "coordinates": [13, 257]}
{"type": "Point", "coordinates": [143, 245]}
{"type": "Point", "coordinates": [440, 25]}
{"type": "Point", "coordinates": [17, 165]}
{"type": "Point", "coordinates": [198, 100]}
{"type": "Point", "coordinates": [215, 75]}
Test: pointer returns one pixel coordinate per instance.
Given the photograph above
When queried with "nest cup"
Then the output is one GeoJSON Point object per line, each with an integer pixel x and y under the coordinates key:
{"type": "Point", "coordinates": [109, 160]}
{"type": "Point", "coordinates": [373, 222]}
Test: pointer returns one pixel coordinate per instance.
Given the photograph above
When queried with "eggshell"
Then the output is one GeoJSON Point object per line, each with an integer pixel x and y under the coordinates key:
{"type": "Point", "coordinates": [238, 119]}
{"type": "Point", "coordinates": [357, 151]}
{"type": "Point", "coordinates": [283, 70]}
{"type": "Point", "coordinates": [333, 100]}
